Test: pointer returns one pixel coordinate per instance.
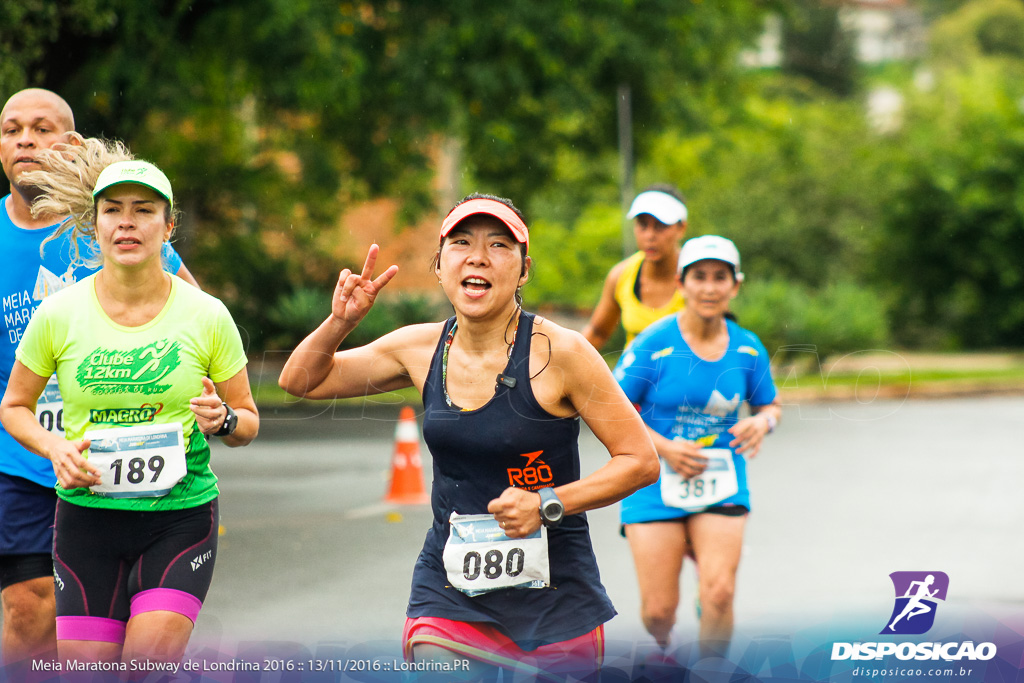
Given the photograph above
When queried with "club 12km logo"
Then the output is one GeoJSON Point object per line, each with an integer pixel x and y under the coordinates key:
{"type": "Point", "coordinates": [917, 598]}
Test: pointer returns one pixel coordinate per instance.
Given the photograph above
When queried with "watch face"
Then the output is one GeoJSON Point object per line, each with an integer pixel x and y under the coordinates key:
{"type": "Point", "coordinates": [552, 510]}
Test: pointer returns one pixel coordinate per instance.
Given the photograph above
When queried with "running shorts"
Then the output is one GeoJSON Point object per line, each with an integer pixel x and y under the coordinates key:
{"type": "Point", "coordinates": [722, 510]}
{"type": "Point", "coordinates": [485, 643]}
{"type": "Point", "coordinates": [26, 516]}
{"type": "Point", "coordinates": [19, 568]}
{"type": "Point", "coordinates": [110, 565]}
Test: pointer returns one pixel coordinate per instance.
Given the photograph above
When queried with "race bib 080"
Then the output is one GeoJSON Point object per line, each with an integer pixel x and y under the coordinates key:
{"type": "Point", "coordinates": [137, 462]}
{"type": "Point", "coordinates": [480, 558]}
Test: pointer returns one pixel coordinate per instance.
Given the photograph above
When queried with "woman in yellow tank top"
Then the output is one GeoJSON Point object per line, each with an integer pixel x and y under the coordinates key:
{"type": "Point", "coordinates": [642, 288]}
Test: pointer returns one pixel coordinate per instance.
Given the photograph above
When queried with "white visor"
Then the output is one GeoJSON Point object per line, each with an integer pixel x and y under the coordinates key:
{"type": "Point", "coordinates": [662, 206]}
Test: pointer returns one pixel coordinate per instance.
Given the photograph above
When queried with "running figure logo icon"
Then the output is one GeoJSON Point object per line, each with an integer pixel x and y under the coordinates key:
{"type": "Point", "coordinates": [917, 595]}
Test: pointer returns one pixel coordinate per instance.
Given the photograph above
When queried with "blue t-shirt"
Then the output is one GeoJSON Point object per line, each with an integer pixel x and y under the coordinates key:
{"type": "Point", "coordinates": [25, 280]}
{"type": "Point", "coordinates": [683, 396]}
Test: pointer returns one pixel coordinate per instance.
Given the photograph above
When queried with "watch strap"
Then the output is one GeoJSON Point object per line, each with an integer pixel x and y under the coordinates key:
{"type": "Point", "coordinates": [227, 427]}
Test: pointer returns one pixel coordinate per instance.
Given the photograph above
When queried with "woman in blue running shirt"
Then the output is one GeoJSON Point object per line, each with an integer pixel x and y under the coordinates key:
{"type": "Point", "coordinates": [688, 375]}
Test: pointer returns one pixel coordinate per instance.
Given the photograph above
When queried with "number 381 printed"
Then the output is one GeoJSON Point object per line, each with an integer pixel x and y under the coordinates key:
{"type": "Point", "coordinates": [696, 488]}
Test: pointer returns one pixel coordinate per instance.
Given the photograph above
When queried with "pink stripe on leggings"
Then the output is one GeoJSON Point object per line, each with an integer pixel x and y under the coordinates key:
{"type": "Point", "coordinates": [168, 599]}
{"type": "Point", "coordinates": [99, 629]}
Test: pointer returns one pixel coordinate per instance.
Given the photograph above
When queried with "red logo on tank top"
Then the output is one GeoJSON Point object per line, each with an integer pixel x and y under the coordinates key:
{"type": "Point", "coordinates": [535, 474]}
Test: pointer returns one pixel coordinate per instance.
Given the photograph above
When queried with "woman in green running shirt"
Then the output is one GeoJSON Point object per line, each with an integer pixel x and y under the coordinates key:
{"type": "Point", "coordinates": [149, 368]}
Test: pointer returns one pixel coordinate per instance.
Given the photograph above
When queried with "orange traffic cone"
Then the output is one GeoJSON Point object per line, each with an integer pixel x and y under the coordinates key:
{"type": "Point", "coordinates": [406, 466]}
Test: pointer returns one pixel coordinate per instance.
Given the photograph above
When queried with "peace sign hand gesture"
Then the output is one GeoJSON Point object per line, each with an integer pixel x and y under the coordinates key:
{"type": "Point", "coordinates": [354, 294]}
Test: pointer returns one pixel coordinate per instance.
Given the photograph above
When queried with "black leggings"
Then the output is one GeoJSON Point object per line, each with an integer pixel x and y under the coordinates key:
{"type": "Point", "coordinates": [113, 564]}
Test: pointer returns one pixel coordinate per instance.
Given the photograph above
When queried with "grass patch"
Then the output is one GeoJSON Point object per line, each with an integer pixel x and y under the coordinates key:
{"type": "Point", "coordinates": [932, 380]}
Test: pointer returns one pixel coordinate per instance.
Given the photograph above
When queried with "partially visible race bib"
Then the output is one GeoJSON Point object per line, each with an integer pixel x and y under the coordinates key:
{"type": "Point", "coordinates": [143, 461]}
{"type": "Point", "coordinates": [480, 558]}
{"type": "Point", "coordinates": [50, 408]}
{"type": "Point", "coordinates": [713, 485]}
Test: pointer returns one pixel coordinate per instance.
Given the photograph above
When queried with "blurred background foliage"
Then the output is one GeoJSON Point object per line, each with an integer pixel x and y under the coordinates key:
{"type": "Point", "coordinates": [275, 117]}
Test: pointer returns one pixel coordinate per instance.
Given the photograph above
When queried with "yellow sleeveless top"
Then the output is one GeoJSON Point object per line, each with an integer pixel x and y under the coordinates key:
{"type": "Point", "coordinates": [636, 315]}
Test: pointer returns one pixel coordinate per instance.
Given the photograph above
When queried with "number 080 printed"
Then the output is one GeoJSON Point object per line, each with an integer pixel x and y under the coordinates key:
{"type": "Point", "coordinates": [479, 557]}
{"type": "Point", "coordinates": [493, 564]}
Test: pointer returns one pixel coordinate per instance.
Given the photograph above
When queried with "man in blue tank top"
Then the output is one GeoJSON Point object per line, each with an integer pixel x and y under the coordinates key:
{"type": "Point", "coordinates": [32, 121]}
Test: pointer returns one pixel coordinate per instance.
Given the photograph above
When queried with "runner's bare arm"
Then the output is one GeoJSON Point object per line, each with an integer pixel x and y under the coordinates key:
{"type": "Point", "coordinates": [606, 314]}
{"type": "Point", "coordinates": [598, 399]}
{"type": "Point", "coordinates": [17, 412]}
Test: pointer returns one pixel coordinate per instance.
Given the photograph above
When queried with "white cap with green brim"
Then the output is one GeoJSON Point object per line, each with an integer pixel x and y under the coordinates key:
{"type": "Point", "coordinates": [137, 172]}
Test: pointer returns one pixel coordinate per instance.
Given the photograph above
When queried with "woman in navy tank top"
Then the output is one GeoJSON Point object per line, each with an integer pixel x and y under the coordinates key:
{"type": "Point", "coordinates": [507, 576]}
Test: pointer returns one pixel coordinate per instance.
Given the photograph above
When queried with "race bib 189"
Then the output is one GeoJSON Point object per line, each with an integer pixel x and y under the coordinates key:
{"type": "Point", "coordinates": [713, 485]}
{"type": "Point", "coordinates": [480, 558]}
{"type": "Point", "coordinates": [137, 462]}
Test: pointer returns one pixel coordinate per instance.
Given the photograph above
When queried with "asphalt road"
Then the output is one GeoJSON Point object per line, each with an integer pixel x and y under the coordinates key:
{"type": "Point", "coordinates": [843, 495]}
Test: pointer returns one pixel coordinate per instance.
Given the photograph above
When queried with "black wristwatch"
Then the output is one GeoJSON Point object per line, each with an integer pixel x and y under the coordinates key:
{"type": "Point", "coordinates": [227, 428]}
{"type": "Point", "coordinates": [551, 508]}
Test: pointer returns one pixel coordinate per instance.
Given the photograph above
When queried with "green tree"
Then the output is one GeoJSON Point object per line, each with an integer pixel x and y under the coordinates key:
{"type": "Point", "coordinates": [955, 225]}
{"type": "Point", "coordinates": [30, 31]}
{"type": "Point", "coordinates": [956, 231]}
{"type": "Point", "coordinates": [816, 46]}
{"type": "Point", "coordinates": [793, 181]}
{"type": "Point", "coordinates": [796, 181]}
{"type": "Point", "coordinates": [993, 28]}
{"type": "Point", "coordinates": [272, 116]}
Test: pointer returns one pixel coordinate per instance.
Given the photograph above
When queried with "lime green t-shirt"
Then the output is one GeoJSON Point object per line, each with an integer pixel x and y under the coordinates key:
{"type": "Point", "coordinates": [114, 376]}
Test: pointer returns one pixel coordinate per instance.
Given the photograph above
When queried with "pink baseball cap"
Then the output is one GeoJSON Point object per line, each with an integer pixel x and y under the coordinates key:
{"type": "Point", "coordinates": [490, 207]}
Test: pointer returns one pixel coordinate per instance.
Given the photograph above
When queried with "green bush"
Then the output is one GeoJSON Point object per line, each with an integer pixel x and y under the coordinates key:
{"type": "Point", "coordinates": [300, 312]}
{"type": "Point", "coordinates": [949, 255]}
{"type": "Point", "coordinates": [570, 264]}
{"type": "Point", "coordinates": [297, 314]}
{"type": "Point", "coordinates": [839, 318]}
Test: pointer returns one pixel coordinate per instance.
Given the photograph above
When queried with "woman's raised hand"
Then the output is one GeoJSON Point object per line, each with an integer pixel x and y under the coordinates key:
{"type": "Point", "coordinates": [354, 294]}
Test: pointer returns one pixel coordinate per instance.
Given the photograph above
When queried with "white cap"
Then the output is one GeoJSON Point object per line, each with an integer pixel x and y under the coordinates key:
{"type": "Point", "coordinates": [661, 205]}
{"type": "Point", "coordinates": [710, 247]}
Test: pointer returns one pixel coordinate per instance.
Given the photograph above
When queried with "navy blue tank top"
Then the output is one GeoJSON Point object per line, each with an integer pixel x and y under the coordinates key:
{"type": "Point", "coordinates": [477, 454]}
